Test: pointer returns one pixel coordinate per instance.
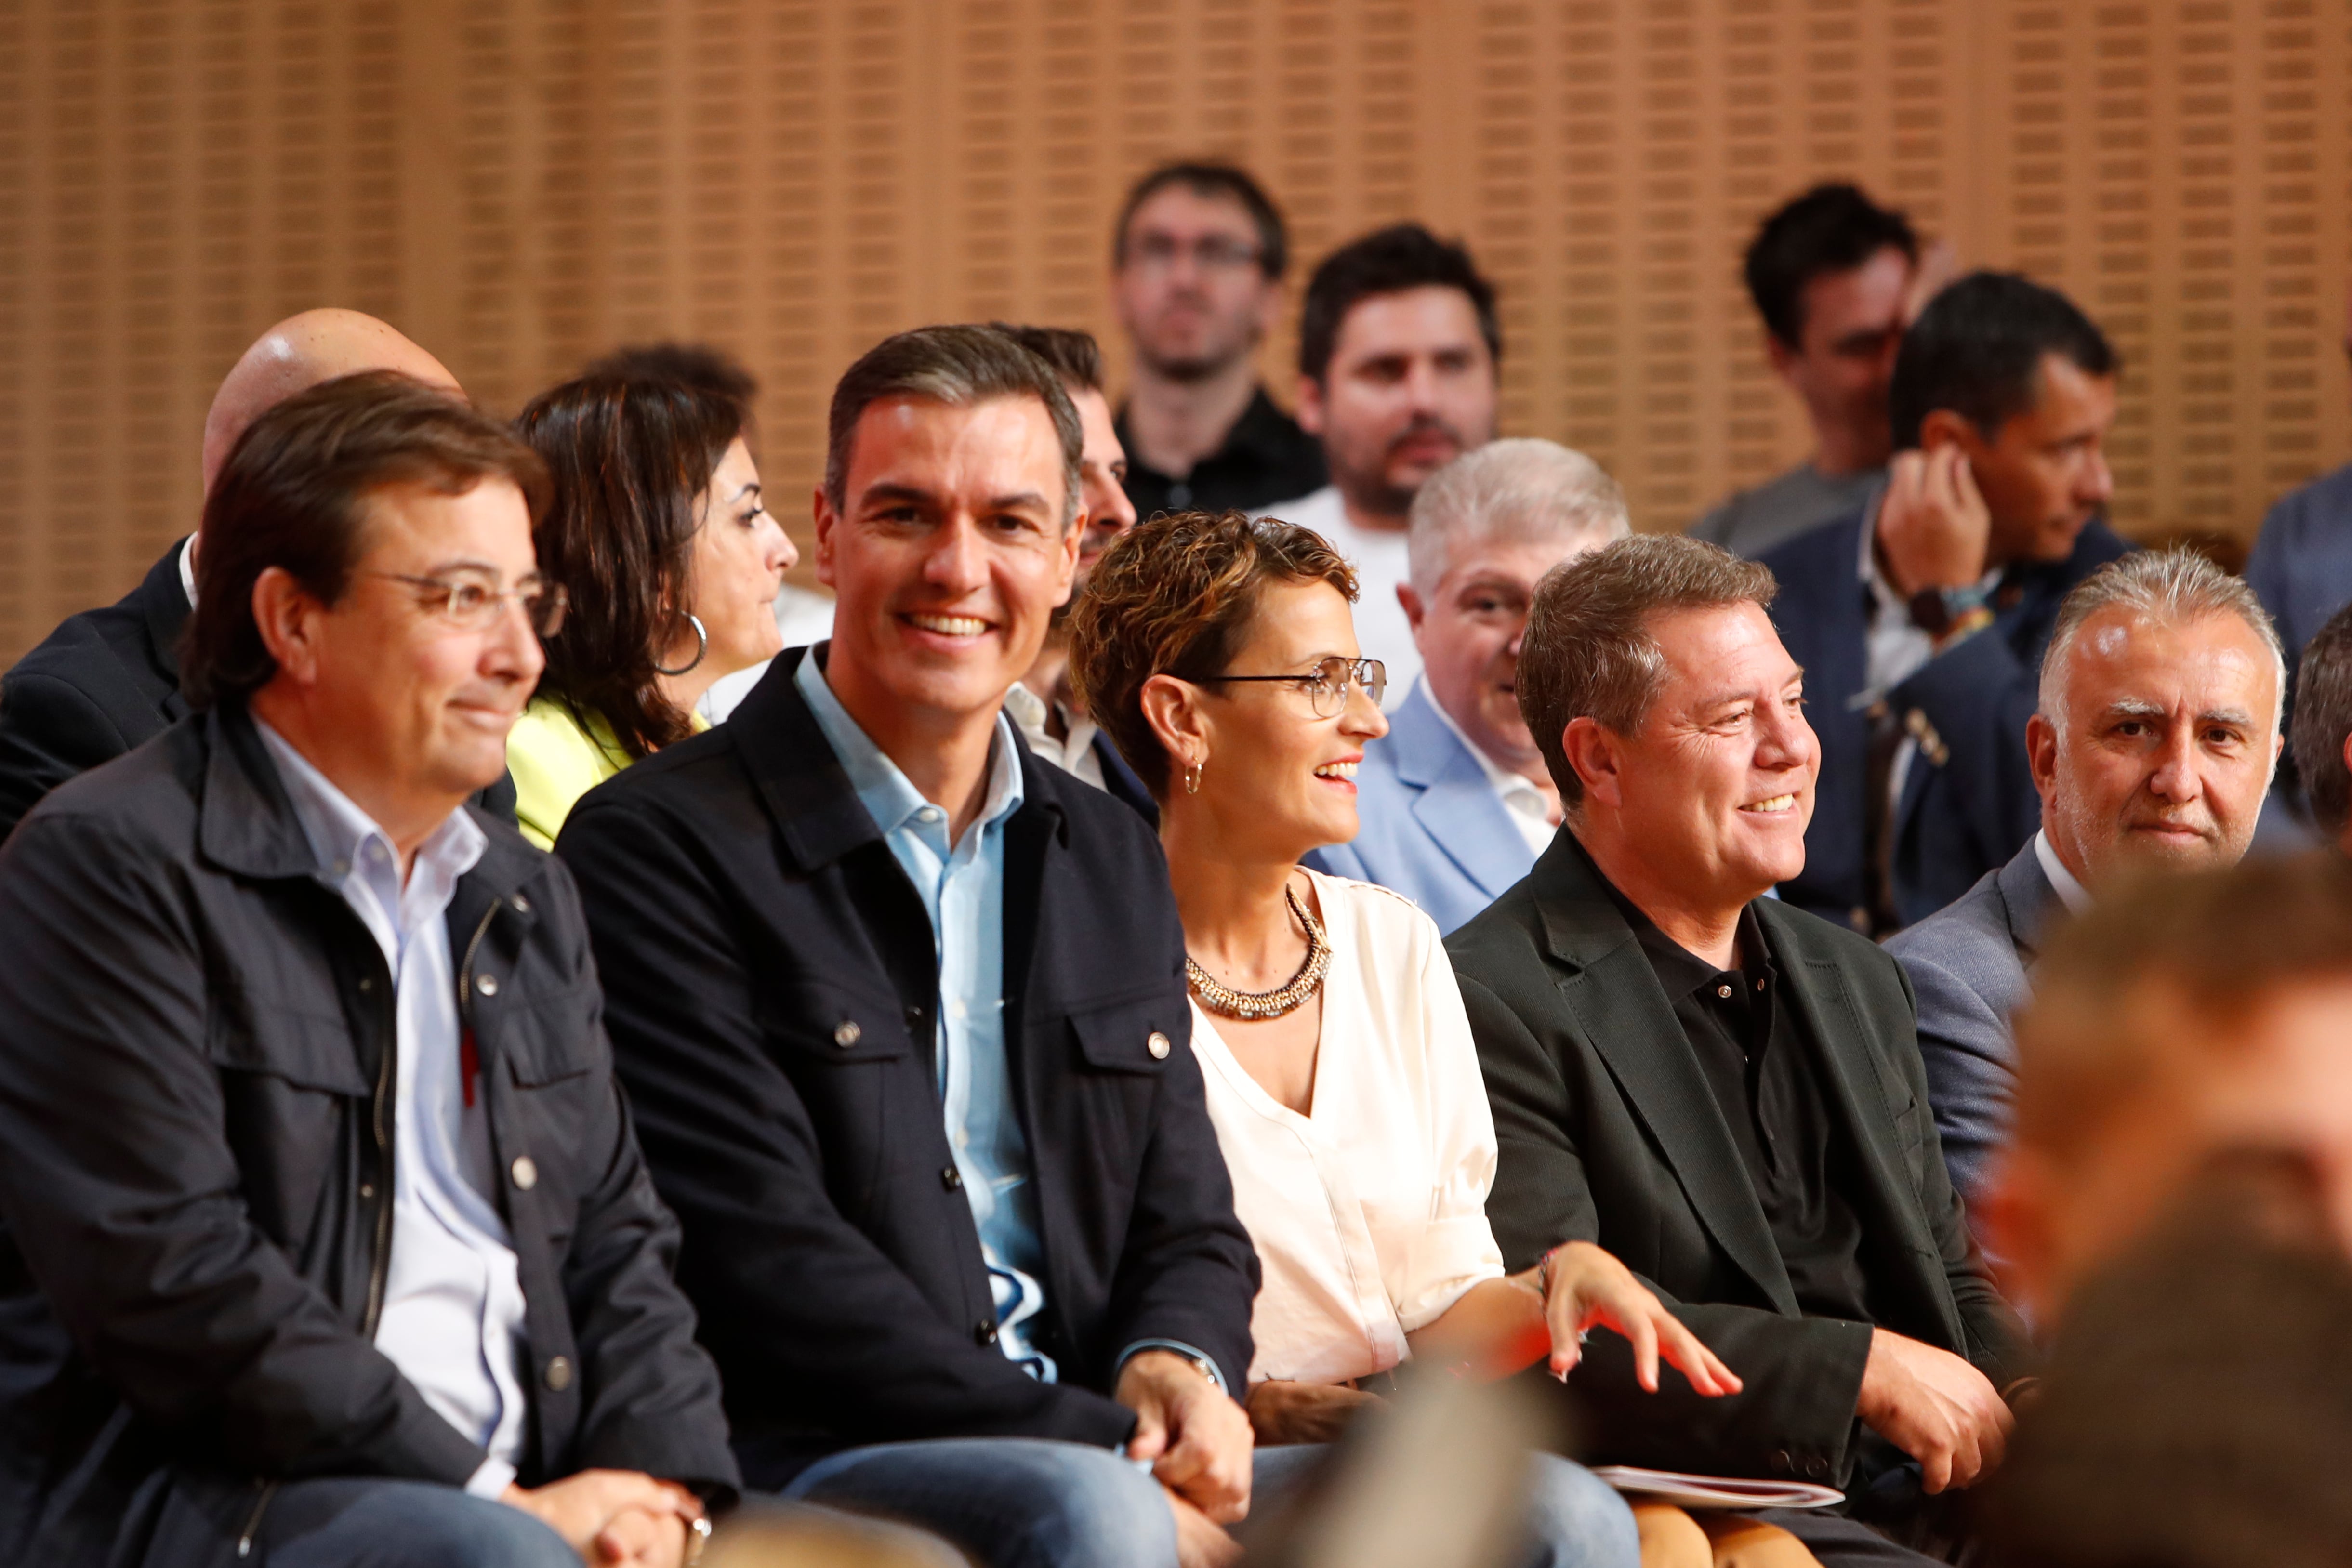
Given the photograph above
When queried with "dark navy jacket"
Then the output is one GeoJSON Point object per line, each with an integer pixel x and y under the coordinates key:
{"type": "Point", "coordinates": [2302, 570]}
{"type": "Point", "coordinates": [1968, 802]}
{"type": "Point", "coordinates": [771, 987]}
{"type": "Point", "coordinates": [197, 1050]}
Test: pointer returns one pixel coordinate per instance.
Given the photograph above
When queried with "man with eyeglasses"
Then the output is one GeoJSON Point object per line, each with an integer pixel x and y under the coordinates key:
{"type": "Point", "coordinates": [327, 1240]}
{"type": "Point", "coordinates": [107, 679]}
{"type": "Point", "coordinates": [1197, 267]}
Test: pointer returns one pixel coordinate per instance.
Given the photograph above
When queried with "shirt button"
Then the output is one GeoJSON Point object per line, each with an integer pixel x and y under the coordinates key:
{"type": "Point", "coordinates": [1723, 991]}
{"type": "Point", "coordinates": [367, 985]}
{"type": "Point", "coordinates": [983, 1332]}
{"type": "Point", "coordinates": [486, 984]}
{"type": "Point", "coordinates": [929, 814]}
{"type": "Point", "coordinates": [525, 1172]}
{"type": "Point", "coordinates": [559, 1373]}
{"type": "Point", "coordinates": [847, 1033]}
{"type": "Point", "coordinates": [367, 1190]}
{"type": "Point", "coordinates": [951, 1178]}
{"type": "Point", "coordinates": [522, 905]}
{"type": "Point", "coordinates": [1156, 1044]}
{"type": "Point", "coordinates": [1180, 495]}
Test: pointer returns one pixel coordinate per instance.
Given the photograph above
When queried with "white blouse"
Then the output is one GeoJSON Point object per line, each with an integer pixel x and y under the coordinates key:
{"type": "Point", "coordinates": [1369, 1214]}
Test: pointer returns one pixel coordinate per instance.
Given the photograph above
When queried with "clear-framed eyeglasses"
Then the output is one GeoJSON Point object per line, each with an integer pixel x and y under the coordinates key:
{"type": "Point", "coordinates": [473, 601]}
{"type": "Point", "coordinates": [1329, 684]}
{"type": "Point", "coordinates": [1159, 252]}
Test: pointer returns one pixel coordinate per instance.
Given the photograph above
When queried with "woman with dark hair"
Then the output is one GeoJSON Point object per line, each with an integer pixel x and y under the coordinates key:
{"type": "Point", "coordinates": [1220, 653]}
{"type": "Point", "coordinates": [671, 563]}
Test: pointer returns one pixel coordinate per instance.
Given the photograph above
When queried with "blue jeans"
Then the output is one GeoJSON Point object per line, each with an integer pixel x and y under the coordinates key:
{"type": "Point", "coordinates": [1023, 1502]}
{"type": "Point", "coordinates": [358, 1524]}
{"type": "Point", "coordinates": [1574, 1519]}
{"type": "Point", "coordinates": [1012, 1503]}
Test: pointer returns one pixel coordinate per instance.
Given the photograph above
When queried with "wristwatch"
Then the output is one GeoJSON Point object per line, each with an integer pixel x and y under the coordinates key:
{"type": "Point", "coordinates": [1936, 610]}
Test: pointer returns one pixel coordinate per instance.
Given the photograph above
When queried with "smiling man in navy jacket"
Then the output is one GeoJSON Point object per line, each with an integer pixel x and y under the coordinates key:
{"type": "Point", "coordinates": [901, 1011]}
{"type": "Point", "coordinates": [1921, 619]}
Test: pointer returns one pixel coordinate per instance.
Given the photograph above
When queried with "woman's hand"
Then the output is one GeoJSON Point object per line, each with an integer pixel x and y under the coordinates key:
{"type": "Point", "coordinates": [1303, 1411]}
{"type": "Point", "coordinates": [1589, 1287]}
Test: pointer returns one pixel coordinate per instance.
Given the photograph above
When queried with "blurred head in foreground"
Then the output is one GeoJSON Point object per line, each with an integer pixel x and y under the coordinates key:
{"type": "Point", "coordinates": [2199, 1404]}
{"type": "Point", "coordinates": [2211, 1010]}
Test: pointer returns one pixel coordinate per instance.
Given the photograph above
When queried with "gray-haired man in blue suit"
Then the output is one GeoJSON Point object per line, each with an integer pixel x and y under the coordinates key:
{"type": "Point", "coordinates": [1455, 802]}
{"type": "Point", "coordinates": [2156, 739]}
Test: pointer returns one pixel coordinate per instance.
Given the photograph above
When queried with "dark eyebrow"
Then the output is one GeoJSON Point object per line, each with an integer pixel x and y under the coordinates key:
{"type": "Point", "coordinates": [751, 489]}
{"type": "Point", "coordinates": [1016, 501]}
{"type": "Point", "coordinates": [890, 491]}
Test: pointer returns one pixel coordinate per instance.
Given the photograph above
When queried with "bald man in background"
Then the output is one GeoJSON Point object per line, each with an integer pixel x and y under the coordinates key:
{"type": "Point", "coordinates": [108, 680]}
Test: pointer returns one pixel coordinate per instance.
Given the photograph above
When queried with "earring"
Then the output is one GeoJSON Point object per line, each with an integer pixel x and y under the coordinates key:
{"type": "Point", "coordinates": [1193, 780]}
{"type": "Point", "coordinates": [701, 649]}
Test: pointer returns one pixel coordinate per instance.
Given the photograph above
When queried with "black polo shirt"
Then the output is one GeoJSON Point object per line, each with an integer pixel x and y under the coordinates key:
{"type": "Point", "coordinates": [1265, 458]}
{"type": "Point", "coordinates": [1751, 1044]}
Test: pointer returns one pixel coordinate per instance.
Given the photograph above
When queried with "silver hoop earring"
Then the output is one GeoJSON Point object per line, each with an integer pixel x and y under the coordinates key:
{"type": "Point", "coordinates": [1193, 780]}
{"type": "Point", "coordinates": [701, 650]}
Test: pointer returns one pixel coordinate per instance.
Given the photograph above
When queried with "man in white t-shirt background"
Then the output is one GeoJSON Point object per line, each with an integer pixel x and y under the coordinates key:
{"type": "Point", "coordinates": [1399, 356]}
{"type": "Point", "coordinates": [1455, 802]}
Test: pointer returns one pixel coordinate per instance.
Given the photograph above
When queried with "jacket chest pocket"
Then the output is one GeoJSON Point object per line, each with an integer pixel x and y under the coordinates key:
{"type": "Point", "coordinates": [293, 1094]}
{"type": "Point", "coordinates": [1137, 1038]}
{"type": "Point", "coordinates": [551, 1051]}
{"type": "Point", "coordinates": [849, 1056]}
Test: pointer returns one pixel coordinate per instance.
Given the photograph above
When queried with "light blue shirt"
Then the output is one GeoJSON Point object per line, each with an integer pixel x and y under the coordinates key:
{"type": "Point", "coordinates": [452, 1304]}
{"type": "Point", "coordinates": [962, 888]}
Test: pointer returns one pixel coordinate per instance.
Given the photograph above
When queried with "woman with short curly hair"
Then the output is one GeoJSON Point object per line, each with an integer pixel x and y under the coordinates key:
{"type": "Point", "coordinates": [1220, 653]}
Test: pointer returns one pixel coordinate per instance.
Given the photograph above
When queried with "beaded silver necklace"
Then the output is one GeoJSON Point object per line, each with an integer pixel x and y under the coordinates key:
{"type": "Point", "coordinates": [1251, 1006]}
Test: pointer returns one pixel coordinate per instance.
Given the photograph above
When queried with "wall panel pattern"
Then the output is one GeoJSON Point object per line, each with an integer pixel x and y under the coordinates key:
{"type": "Point", "coordinates": [520, 184]}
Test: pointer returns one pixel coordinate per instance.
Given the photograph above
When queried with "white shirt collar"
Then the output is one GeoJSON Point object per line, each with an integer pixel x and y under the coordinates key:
{"type": "Point", "coordinates": [339, 831]}
{"type": "Point", "coordinates": [2071, 892]}
{"type": "Point", "coordinates": [188, 570]}
{"type": "Point", "coordinates": [1506, 782]}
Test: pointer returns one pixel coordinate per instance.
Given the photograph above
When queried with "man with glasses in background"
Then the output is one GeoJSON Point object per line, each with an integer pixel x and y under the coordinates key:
{"type": "Point", "coordinates": [1196, 278]}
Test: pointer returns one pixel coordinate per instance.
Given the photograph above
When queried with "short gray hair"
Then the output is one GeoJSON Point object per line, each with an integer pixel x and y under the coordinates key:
{"type": "Point", "coordinates": [959, 366]}
{"type": "Point", "coordinates": [1590, 651]}
{"type": "Point", "coordinates": [2172, 586]}
{"type": "Point", "coordinates": [1520, 491]}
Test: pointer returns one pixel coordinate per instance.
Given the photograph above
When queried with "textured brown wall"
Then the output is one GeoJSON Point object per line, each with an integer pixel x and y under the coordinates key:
{"type": "Point", "coordinates": [519, 183]}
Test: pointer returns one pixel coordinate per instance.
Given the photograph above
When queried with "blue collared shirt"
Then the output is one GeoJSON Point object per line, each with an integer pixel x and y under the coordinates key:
{"type": "Point", "coordinates": [452, 1304]}
{"type": "Point", "coordinates": [962, 888]}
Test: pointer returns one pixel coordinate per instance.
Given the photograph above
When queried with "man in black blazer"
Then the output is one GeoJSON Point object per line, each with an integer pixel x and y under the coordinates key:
{"type": "Point", "coordinates": [1720, 1089]}
{"type": "Point", "coordinates": [1921, 619]}
{"type": "Point", "coordinates": [901, 1012]}
{"type": "Point", "coordinates": [108, 679]}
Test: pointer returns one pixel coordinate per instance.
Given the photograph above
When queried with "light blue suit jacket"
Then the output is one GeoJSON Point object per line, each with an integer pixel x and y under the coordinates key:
{"type": "Point", "coordinates": [1968, 964]}
{"type": "Point", "coordinates": [1433, 827]}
